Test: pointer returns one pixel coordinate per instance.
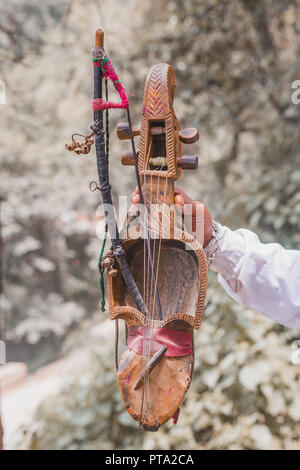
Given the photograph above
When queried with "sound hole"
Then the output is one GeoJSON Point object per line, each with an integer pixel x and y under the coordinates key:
{"type": "Point", "coordinates": [177, 277]}
{"type": "Point", "coordinates": [158, 151]}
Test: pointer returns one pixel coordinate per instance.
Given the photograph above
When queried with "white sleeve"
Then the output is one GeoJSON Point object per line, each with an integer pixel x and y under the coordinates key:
{"type": "Point", "coordinates": [263, 277]}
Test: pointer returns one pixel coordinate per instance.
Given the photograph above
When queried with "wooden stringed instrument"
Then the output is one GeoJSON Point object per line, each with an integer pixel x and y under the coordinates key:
{"type": "Point", "coordinates": [157, 278]}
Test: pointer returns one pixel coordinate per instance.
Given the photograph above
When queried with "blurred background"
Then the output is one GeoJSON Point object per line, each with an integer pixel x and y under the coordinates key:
{"type": "Point", "coordinates": [235, 63]}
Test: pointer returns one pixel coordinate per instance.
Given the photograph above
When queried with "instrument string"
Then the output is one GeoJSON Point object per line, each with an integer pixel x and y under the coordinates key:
{"type": "Point", "coordinates": [148, 283]}
{"type": "Point", "coordinates": [148, 327]}
{"type": "Point", "coordinates": [156, 274]}
{"type": "Point", "coordinates": [158, 250]}
{"type": "Point", "coordinates": [160, 236]}
{"type": "Point", "coordinates": [153, 248]}
{"type": "Point", "coordinates": [151, 294]}
{"type": "Point", "coordinates": [142, 202]}
{"type": "Point", "coordinates": [156, 254]}
{"type": "Point", "coordinates": [144, 226]}
{"type": "Point", "coordinates": [159, 217]}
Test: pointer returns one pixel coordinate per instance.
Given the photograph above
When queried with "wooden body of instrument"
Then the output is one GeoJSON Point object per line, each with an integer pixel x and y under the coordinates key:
{"type": "Point", "coordinates": [153, 391]}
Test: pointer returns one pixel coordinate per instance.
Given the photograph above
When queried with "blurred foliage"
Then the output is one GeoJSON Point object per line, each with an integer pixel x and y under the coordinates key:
{"type": "Point", "coordinates": [244, 395]}
{"type": "Point", "coordinates": [235, 63]}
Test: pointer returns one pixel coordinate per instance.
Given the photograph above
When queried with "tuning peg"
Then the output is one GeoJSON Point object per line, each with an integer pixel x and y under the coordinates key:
{"type": "Point", "coordinates": [188, 162]}
{"type": "Point", "coordinates": [127, 158]}
{"type": "Point", "coordinates": [123, 131]}
{"type": "Point", "coordinates": [188, 135]}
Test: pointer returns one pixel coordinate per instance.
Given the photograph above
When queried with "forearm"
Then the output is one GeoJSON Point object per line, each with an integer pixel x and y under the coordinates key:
{"type": "Point", "coordinates": [264, 277]}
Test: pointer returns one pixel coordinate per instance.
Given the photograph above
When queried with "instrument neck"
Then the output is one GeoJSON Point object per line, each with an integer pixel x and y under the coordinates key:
{"type": "Point", "coordinates": [158, 188]}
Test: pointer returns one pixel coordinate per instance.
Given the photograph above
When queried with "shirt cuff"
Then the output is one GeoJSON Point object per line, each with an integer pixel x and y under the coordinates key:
{"type": "Point", "coordinates": [225, 253]}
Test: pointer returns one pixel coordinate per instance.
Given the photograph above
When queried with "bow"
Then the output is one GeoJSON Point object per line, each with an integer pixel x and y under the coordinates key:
{"type": "Point", "coordinates": [157, 281]}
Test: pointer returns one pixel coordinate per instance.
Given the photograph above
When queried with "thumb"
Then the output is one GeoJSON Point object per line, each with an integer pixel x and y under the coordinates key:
{"type": "Point", "coordinates": [179, 202]}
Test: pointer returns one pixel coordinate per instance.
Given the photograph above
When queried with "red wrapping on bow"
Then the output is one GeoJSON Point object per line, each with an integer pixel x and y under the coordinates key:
{"type": "Point", "coordinates": [108, 71]}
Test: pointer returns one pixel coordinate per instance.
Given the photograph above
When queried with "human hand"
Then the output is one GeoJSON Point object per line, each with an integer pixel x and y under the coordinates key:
{"type": "Point", "coordinates": [189, 209]}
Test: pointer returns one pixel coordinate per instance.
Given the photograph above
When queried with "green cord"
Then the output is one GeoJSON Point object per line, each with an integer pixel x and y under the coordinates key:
{"type": "Point", "coordinates": [101, 271]}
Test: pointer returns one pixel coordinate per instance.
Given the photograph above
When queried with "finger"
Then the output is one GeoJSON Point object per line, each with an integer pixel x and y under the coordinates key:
{"type": "Point", "coordinates": [207, 227]}
{"type": "Point", "coordinates": [179, 203]}
{"type": "Point", "coordinates": [184, 197]}
{"type": "Point", "coordinates": [135, 198]}
{"type": "Point", "coordinates": [177, 190]}
{"type": "Point", "coordinates": [178, 199]}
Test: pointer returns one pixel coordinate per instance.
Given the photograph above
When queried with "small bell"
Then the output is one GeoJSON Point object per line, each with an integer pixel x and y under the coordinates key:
{"type": "Point", "coordinates": [106, 263]}
{"type": "Point", "coordinates": [71, 146]}
{"type": "Point", "coordinates": [81, 147]}
{"type": "Point", "coordinates": [85, 149]}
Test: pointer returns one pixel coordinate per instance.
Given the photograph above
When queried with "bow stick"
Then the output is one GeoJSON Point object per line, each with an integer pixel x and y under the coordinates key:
{"type": "Point", "coordinates": [103, 66]}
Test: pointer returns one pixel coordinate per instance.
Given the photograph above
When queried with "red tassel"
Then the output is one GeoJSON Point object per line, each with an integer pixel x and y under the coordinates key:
{"type": "Point", "coordinates": [109, 73]}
